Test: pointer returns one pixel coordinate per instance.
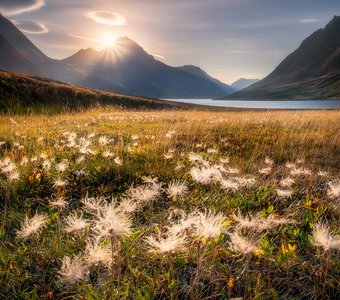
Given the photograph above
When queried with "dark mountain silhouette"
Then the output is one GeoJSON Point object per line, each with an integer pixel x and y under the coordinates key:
{"type": "Point", "coordinates": [242, 83]}
{"type": "Point", "coordinates": [126, 68]}
{"type": "Point", "coordinates": [18, 53]}
{"type": "Point", "coordinates": [311, 72]}
{"type": "Point", "coordinates": [83, 56]}
{"type": "Point", "coordinates": [199, 72]}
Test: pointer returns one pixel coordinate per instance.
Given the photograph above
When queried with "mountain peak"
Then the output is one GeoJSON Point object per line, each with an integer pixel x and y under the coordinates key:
{"type": "Point", "coordinates": [88, 50]}
{"type": "Point", "coordinates": [334, 24]}
{"type": "Point", "coordinates": [127, 48]}
{"type": "Point", "coordinates": [125, 39]}
{"type": "Point", "coordinates": [83, 55]}
{"type": "Point", "coordinates": [125, 42]}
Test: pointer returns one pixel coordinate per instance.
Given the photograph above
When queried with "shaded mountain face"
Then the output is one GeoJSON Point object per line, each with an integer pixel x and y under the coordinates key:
{"type": "Point", "coordinates": [199, 72]}
{"type": "Point", "coordinates": [18, 53]}
{"type": "Point", "coordinates": [126, 68]}
{"type": "Point", "coordinates": [242, 83]}
{"type": "Point", "coordinates": [83, 56]}
{"type": "Point", "coordinates": [311, 72]}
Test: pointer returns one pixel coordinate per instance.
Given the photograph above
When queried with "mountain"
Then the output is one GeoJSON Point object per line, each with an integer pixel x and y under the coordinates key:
{"type": "Point", "coordinates": [125, 68]}
{"type": "Point", "coordinates": [81, 57]}
{"type": "Point", "coordinates": [242, 83]}
{"type": "Point", "coordinates": [311, 72]}
{"type": "Point", "coordinates": [18, 53]}
{"type": "Point", "coordinates": [199, 72]}
{"type": "Point", "coordinates": [128, 68]}
{"type": "Point", "coordinates": [21, 93]}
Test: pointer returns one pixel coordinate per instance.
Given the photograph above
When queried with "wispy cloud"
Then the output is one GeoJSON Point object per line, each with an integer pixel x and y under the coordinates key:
{"type": "Point", "coordinates": [31, 27]}
{"type": "Point", "coordinates": [158, 56]}
{"type": "Point", "coordinates": [17, 7]}
{"type": "Point", "coordinates": [309, 20]}
{"type": "Point", "coordinates": [85, 38]}
{"type": "Point", "coordinates": [106, 17]}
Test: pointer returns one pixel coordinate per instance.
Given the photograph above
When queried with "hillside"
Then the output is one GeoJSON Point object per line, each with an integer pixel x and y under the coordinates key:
{"type": "Point", "coordinates": [24, 93]}
{"type": "Point", "coordinates": [243, 83]}
{"type": "Point", "coordinates": [311, 72]}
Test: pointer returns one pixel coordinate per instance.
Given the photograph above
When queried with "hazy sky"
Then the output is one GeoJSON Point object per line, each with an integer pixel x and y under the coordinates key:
{"type": "Point", "coordinates": [227, 38]}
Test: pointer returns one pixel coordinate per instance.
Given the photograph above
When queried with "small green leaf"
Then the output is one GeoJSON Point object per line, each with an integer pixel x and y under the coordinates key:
{"type": "Point", "coordinates": [270, 209]}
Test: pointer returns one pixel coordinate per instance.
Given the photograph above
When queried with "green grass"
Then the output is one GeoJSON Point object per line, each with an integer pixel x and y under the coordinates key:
{"type": "Point", "coordinates": [286, 265]}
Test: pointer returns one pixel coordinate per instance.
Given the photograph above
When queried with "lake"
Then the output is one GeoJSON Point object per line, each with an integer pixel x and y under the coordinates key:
{"type": "Point", "coordinates": [269, 104]}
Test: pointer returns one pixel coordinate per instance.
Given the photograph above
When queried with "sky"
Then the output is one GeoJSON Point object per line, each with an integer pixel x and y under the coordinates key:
{"type": "Point", "coordinates": [229, 39]}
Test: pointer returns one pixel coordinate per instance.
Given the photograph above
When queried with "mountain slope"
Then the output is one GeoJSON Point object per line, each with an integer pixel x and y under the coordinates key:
{"type": "Point", "coordinates": [23, 93]}
{"type": "Point", "coordinates": [126, 68]}
{"type": "Point", "coordinates": [83, 56]}
{"type": "Point", "coordinates": [243, 83]}
{"type": "Point", "coordinates": [16, 49]}
{"type": "Point", "coordinates": [19, 54]}
{"type": "Point", "coordinates": [199, 72]}
{"type": "Point", "coordinates": [311, 72]}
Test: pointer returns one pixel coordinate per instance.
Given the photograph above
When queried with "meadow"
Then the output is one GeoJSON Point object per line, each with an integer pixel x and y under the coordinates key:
{"type": "Point", "coordinates": [194, 204]}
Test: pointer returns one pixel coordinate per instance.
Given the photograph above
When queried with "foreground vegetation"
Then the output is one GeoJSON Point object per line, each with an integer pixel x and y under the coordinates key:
{"type": "Point", "coordinates": [114, 204]}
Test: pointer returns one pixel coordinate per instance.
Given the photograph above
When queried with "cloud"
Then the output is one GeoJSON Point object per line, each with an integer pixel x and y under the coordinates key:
{"type": "Point", "coordinates": [107, 17]}
{"type": "Point", "coordinates": [157, 56]}
{"type": "Point", "coordinates": [84, 38]}
{"type": "Point", "coordinates": [17, 7]}
{"type": "Point", "coordinates": [309, 20]}
{"type": "Point", "coordinates": [31, 27]}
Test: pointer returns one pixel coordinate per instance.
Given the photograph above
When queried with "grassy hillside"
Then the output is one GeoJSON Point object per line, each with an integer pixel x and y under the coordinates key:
{"type": "Point", "coordinates": [21, 93]}
{"type": "Point", "coordinates": [111, 204]}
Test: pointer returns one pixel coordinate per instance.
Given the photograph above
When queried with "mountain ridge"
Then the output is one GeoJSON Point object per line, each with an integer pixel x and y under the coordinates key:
{"type": "Point", "coordinates": [127, 68]}
{"type": "Point", "coordinates": [312, 71]}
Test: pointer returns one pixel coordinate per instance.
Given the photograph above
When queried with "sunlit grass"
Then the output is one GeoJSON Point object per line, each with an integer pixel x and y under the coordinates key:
{"type": "Point", "coordinates": [170, 204]}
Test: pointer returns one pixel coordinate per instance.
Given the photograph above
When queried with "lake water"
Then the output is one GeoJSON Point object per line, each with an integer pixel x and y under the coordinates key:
{"type": "Point", "coordinates": [269, 104]}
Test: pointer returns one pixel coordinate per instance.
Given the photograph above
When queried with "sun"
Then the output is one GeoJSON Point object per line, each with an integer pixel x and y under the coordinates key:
{"type": "Point", "coordinates": [109, 41]}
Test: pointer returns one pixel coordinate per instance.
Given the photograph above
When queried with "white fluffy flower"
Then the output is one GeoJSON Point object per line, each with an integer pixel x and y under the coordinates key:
{"type": "Point", "coordinates": [323, 237]}
{"type": "Point", "coordinates": [210, 225]}
{"type": "Point", "coordinates": [73, 269]}
{"type": "Point", "coordinates": [32, 226]}
{"type": "Point", "coordinates": [241, 244]}
{"type": "Point", "coordinates": [75, 222]}
{"type": "Point", "coordinates": [167, 243]}
{"type": "Point", "coordinates": [177, 188]}
{"type": "Point", "coordinates": [334, 189]}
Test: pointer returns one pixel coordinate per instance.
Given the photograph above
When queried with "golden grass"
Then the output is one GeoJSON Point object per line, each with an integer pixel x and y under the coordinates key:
{"type": "Point", "coordinates": [287, 263]}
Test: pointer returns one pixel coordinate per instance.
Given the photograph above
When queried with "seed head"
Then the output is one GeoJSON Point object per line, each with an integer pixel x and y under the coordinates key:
{"type": "Point", "coordinates": [324, 237]}
{"type": "Point", "coordinates": [75, 222]}
{"type": "Point", "coordinates": [32, 226]}
{"type": "Point", "coordinates": [73, 269]}
{"type": "Point", "coordinates": [241, 244]}
{"type": "Point", "coordinates": [168, 243]}
{"type": "Point", "coordinates": [177, 188]}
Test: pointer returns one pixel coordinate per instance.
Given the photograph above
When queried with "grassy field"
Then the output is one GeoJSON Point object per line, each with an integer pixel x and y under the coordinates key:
{"type": "Point", "coordinates": [112, 204]}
